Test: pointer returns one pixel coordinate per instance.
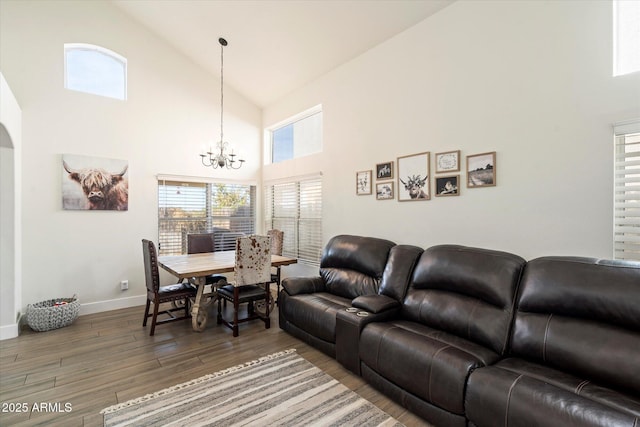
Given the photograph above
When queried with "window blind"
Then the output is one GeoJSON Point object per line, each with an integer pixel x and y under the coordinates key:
{"type": "Point", "coordinates": [197, 207]}
{"type": "Point", "coordinates": [627, 191]}
{"type": "Point", "coordinates": [296, 208]}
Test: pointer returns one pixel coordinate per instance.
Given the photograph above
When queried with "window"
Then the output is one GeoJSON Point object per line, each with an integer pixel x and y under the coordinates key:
{"type": "Point", "coordinates": [295, 207]}
{"type": "Point", "coordinates": [627, 191]}
{"type": "Point", "coordinates": [626, 36]}
{"type": "Point", "coordinates": [297, 137]}
{"type": "Point", "coordinates": [196, 207]}
{"type": "Point", "coordinates": [95, 70]}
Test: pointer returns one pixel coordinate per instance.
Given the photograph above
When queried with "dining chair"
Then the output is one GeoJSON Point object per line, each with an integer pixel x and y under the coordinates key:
{"type": "Point", "coordinates": [198, 243]}
{"type": "Point", "coordinates": [157, 294]}
{"type": "Point", "coordinates": [252, 272]}
{"type": "Point", "coordinates": [277, 238]}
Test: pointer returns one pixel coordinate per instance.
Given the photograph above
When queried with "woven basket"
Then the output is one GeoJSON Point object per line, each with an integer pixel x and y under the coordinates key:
{"type": "Point", "coordinates": [46, 315]}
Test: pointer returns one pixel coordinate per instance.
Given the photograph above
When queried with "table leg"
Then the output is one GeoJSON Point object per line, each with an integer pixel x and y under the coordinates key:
{"type": "Point", "coordinates": [199, 310]}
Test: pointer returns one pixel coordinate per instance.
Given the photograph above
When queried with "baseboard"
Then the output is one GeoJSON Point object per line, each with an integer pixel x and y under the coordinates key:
{"type": "Point", "coordinates": [12, 331]}
{"type": "Point", "coordinates": [8, 331]}
{"type": "Point", "coordinates": [114, 304]}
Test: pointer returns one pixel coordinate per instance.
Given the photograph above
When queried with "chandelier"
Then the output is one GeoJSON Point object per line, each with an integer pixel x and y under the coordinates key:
{"type": "Point", "coordinates": [220, 158]}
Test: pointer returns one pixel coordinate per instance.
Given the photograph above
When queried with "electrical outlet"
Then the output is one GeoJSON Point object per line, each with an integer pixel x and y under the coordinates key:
{"type": "Point", "coordinates": [124, 285]}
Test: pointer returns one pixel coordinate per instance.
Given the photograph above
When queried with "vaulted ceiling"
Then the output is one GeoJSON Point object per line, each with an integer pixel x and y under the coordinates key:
{"type": "Point", "coordinates": [276, 46]}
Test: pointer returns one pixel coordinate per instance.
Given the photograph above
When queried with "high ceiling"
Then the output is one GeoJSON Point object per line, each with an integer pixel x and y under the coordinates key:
{"type": "Point", "coordinates": [276, 46]}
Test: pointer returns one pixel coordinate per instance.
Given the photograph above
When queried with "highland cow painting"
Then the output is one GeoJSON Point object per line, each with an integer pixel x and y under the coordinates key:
{"type": "Point", "coordinates": [94, 183]}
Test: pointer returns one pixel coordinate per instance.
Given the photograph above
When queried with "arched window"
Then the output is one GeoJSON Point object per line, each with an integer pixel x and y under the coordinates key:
{"type": "Point", "coordinates": [96, 70]}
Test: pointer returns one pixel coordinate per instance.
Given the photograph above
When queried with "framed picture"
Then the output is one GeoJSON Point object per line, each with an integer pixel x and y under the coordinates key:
{"type": "Point", "coordinates": [447, 185]}
{"type": "Point", "coordinates": [448, 161]}
{"type": "Point", "coordinates": [363, 183]}
{"type": "Point", "coordinates": [384, 191]}
{"type": "Point", "coordinates": [413, 177]}
{"type": "Point", "coordinates": [481, 170]}
{"type": "Point", "coordinates": [384, 171]}
{"type": "Point", "coordinates": [94, 183]}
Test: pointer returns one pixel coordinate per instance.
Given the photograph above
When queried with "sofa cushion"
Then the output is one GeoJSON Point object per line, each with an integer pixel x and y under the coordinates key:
{"type": "Point", "coordinates": [315, 313]}
{"type": "Point", "coordinates": [581, 316]}
{"type": "Point", "coordinates": [397, 273]}
{"type": "Point", "coordinates": [468, 292]}
{"type": "Point", "coordinates": [352, 265]}
{"type": "Point", "coordinates": [516, 392]}
{"type": "Point", "coordinates": [430, 364]}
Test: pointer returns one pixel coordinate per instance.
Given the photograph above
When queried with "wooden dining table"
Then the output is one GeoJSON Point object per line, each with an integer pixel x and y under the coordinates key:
{"type": "Point", "coordinates": [197, 267]}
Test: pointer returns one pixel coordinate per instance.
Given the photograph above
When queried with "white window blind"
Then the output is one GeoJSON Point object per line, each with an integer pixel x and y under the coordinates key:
{"type": "Point", "coordinates": [186, 207]}
{"type": "Point", "coordinates": [627, 191]}
{"type": "Point", "coordinates": [296, 208]}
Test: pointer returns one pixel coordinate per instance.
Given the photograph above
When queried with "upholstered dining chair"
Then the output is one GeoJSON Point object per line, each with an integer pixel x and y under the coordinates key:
{"type": "Point", "coordinates": [198, 243]}
{"type": "Point", "coordinates": [277, 239]}
{"type": "Point", "coordinates": [157, 294]}
{"type": "Point", "coordinates": [252, 272]}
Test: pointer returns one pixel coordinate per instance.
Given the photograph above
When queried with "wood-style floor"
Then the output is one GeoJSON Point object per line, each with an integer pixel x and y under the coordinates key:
{"type": "Point", "coordinates": [65, 377]}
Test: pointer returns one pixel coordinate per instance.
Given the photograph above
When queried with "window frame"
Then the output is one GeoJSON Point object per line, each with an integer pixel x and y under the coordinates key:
{"type": "Point", "coordinates": [75, 47]}
{"type": "Point", "coordinates": [209, 220]}
{"type": "Point", "coordinates": [269, 131]}
{"type": "Point", "coordinates": [626, 191]}
{"type": "Point", "coordinates": [618, 70]}
{"type": "Point", "coordinates": [307, 245]}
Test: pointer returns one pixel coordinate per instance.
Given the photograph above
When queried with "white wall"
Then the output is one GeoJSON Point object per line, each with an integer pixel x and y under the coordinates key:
{"type": "Point", "coordinates": [172, 109]}
{"type": "Point", "coordinates": [10, 211]}
{"type": "Point", "coordinates": [531, 80]}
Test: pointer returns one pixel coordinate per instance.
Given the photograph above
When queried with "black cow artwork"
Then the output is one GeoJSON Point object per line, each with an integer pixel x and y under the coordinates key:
{"type": "Point", "coordinates": [414, 186]}
{"type": "Point", "coordinates": [94, 184]}
{"type": "Point", "coordinates": [413, 177]}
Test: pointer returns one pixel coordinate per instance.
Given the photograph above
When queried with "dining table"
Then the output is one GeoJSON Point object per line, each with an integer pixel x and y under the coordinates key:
{"type": "Point", "coordinates": [195, 268]}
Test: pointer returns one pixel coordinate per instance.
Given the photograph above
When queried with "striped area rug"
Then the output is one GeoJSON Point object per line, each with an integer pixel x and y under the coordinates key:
{"type": "Point", "coordinates": [282, 389]}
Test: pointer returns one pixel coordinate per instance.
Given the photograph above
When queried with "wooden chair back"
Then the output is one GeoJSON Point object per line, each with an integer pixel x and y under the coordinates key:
{"type": "Point", "coordinates": [151, 273]}
{"type": "Point", "coordinates": [198, 243]}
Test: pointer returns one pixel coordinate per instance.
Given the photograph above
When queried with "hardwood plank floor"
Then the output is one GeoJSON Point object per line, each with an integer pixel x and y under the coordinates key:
{"type": "Point", "coordinates": [107, 358]}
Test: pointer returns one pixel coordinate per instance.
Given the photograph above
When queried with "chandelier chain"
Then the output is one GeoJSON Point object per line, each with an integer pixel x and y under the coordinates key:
{"type": "Point", "coordinates": [221, 91]}
{"type": "Point", "coordinates": [220, 158]}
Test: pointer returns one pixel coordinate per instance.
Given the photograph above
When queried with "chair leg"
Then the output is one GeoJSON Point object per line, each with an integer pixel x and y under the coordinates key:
{"type": "Point", "coordinates": [146, 313]}
{"type": "Point", "coordinates": [153, 320]}
{"type": "Point", "coordinates": [277, 284]}
{"type": "Point", "coordinates": [236, 297]}
{"type": "Point", "coordinates": [220, 311]}
{"type": "Point", "coordinates": [267, 295]}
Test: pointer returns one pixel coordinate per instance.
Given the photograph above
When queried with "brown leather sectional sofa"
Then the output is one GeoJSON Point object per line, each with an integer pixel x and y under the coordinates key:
{"type": "Point", "coordinates": [474, 337]}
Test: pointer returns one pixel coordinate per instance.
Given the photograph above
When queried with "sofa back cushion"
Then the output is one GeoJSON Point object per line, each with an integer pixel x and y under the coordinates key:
{"type": "Point", "coordinates": [468, 292]}
{"type": "Point", "coordinates": [398, 271]}
{"type": "Point", "coordinates": [352, 265]}
{"type": "Point", "coordinates": [582, 316]}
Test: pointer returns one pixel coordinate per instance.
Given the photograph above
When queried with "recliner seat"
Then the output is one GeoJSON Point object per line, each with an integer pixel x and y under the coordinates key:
{"type": "Point", "coordinates": [454, 319]}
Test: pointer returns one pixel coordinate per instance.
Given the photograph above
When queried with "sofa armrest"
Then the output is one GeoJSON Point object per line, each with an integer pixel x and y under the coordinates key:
{"type": "Point", "coordinates": [375, 303]}
{"type": "Point", "coordinates": [349, 325]}
{"type": "Point", "coordinates": [303, 285]}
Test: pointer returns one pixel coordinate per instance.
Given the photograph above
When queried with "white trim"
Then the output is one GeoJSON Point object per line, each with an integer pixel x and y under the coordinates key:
{"type": "Point", "coordinates": [626, 127]}
{"type": "Point", "coordinates": [291, 179]}
{"type": "Point", "coordinates": [87, 46]}
{"type": "Point", "coordinates": [203, 180]}
{"type": "Point", "coordinates": [302, 115]}
{"type": "Point", "coordinates": [8, 331]}
{"type": "Point", "coordinates": [114, 304]}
